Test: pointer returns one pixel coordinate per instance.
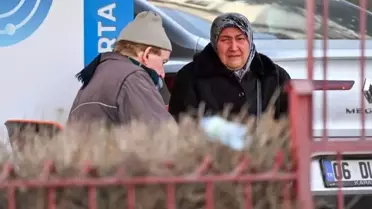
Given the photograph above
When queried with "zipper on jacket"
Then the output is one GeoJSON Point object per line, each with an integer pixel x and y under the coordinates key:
{"type": "Point", "coordinates": [259, 98]}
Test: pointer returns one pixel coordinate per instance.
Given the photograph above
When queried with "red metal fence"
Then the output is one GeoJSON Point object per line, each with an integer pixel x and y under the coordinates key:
{"type": "Point", "coordinates": [301, 115]}
{"type": "Point", "coordinates": [301, 102]}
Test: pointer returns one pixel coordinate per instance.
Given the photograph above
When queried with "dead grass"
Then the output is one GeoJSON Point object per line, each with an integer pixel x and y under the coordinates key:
{"type": "Point", "coordinates": [143, 151]}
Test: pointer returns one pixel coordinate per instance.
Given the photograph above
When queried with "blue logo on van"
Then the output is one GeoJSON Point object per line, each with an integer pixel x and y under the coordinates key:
{"type": "Point", "coordinates": [21, 18]}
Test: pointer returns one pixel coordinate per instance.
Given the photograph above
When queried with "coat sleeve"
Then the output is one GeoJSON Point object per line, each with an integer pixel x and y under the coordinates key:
{"type": "Point", "coordinates": [139, 99]}
{"type": "Point", "coordinates": [183, 97]}
{"type": "Point", "coordinates": [283, 105]}
{"type": "Point", "coordinates": [164, 92]}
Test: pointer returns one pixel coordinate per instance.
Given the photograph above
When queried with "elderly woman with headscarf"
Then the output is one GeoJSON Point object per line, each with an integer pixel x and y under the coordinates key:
{"type": "Point", "coordinates": [229, 71]}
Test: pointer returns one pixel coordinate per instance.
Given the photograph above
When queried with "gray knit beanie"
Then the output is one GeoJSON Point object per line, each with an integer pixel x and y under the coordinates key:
{"type": "Point", "coordinates": [146, 28]}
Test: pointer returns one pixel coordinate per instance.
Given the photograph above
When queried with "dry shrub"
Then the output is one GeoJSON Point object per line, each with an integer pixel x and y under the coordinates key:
{"type": "Point", "coordinates": [144, 151]}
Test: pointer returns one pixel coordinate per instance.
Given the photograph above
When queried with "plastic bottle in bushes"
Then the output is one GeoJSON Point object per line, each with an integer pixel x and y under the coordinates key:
{"type": "Point", "coordinates": [229, 133]}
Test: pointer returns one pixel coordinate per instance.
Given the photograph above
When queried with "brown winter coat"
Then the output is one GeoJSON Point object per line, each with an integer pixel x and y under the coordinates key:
{"type": "Point", "coordinates": [116, 91]}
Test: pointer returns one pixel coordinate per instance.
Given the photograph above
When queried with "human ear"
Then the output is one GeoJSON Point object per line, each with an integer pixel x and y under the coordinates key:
{"type": "Point", "coordinates": [145, 55]}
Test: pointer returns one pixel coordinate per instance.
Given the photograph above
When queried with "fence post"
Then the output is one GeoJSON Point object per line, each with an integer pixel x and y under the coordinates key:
{"type": "Point", "coordinates": [300, 101]}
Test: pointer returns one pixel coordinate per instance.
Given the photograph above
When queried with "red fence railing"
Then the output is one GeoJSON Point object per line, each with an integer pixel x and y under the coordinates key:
{"type": "Point", "coordinates": [91, 180]}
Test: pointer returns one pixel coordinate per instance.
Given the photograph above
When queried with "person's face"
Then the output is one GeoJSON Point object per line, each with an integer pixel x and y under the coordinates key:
{"type": "Point", "coordinates": [154, 61]}
{"type": "Point", "coordinates": [233, 48]}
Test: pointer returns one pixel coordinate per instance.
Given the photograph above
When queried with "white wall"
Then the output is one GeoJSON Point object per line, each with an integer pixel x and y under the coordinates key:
{"type": "Point", "coordinates": [37, 74]}
{"type": "Point", "coordinates": [37, 77]}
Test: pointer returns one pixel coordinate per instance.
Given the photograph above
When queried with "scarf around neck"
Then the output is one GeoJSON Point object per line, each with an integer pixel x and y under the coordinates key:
{"type": "Point", "coordinates": [152, 73]}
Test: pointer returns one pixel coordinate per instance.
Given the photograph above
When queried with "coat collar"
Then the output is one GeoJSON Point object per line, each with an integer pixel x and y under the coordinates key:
{"type": "Point", "coordinates": [87, 73]}
{"type": "Point", "coordinates": [207, 64]}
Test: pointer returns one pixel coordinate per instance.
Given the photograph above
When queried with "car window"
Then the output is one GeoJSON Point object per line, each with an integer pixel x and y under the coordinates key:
{"type": "Point", "coordinates": [279, 19]}
{"type": "Point", "coordinates": [198, 25]}
{"type": "Point", "coordinates": [191, 23]}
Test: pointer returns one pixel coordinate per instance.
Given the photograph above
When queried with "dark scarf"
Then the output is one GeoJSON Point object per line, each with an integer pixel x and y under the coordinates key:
{"type": "Point", "coordinates": [152, 73]}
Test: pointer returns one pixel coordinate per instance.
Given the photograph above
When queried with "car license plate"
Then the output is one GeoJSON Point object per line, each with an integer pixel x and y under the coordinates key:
{"type": "Point", "coordinates": [351, 173]}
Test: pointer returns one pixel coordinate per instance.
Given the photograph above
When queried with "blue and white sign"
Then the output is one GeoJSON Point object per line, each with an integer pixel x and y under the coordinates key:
{"type": "Point", "coordinates": [103, 21]}
{"type": "Point", "coordinates": [21, 18]}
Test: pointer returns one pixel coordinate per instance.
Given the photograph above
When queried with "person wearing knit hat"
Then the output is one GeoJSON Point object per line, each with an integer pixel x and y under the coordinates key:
{"type": "Point", "coordinates": [123, 85]}
{"type": "Point", "coordinates": [229, 71]}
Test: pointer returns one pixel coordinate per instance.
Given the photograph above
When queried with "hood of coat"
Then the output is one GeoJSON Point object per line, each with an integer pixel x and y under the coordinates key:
{"type": "Point", "coordinates": [87, 73]}
{"type": "Point", "coordinates": [208, 64]}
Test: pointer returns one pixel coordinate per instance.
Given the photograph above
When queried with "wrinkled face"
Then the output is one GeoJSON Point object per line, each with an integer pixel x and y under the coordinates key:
{"type": "Point", "coordinates": [155, 61]}
{"type": "Point", "coordinates": [233, 48]}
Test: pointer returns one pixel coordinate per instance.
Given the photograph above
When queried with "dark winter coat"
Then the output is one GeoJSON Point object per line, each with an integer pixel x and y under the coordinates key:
{"type": "Point", "coordinates": [207, 80]}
